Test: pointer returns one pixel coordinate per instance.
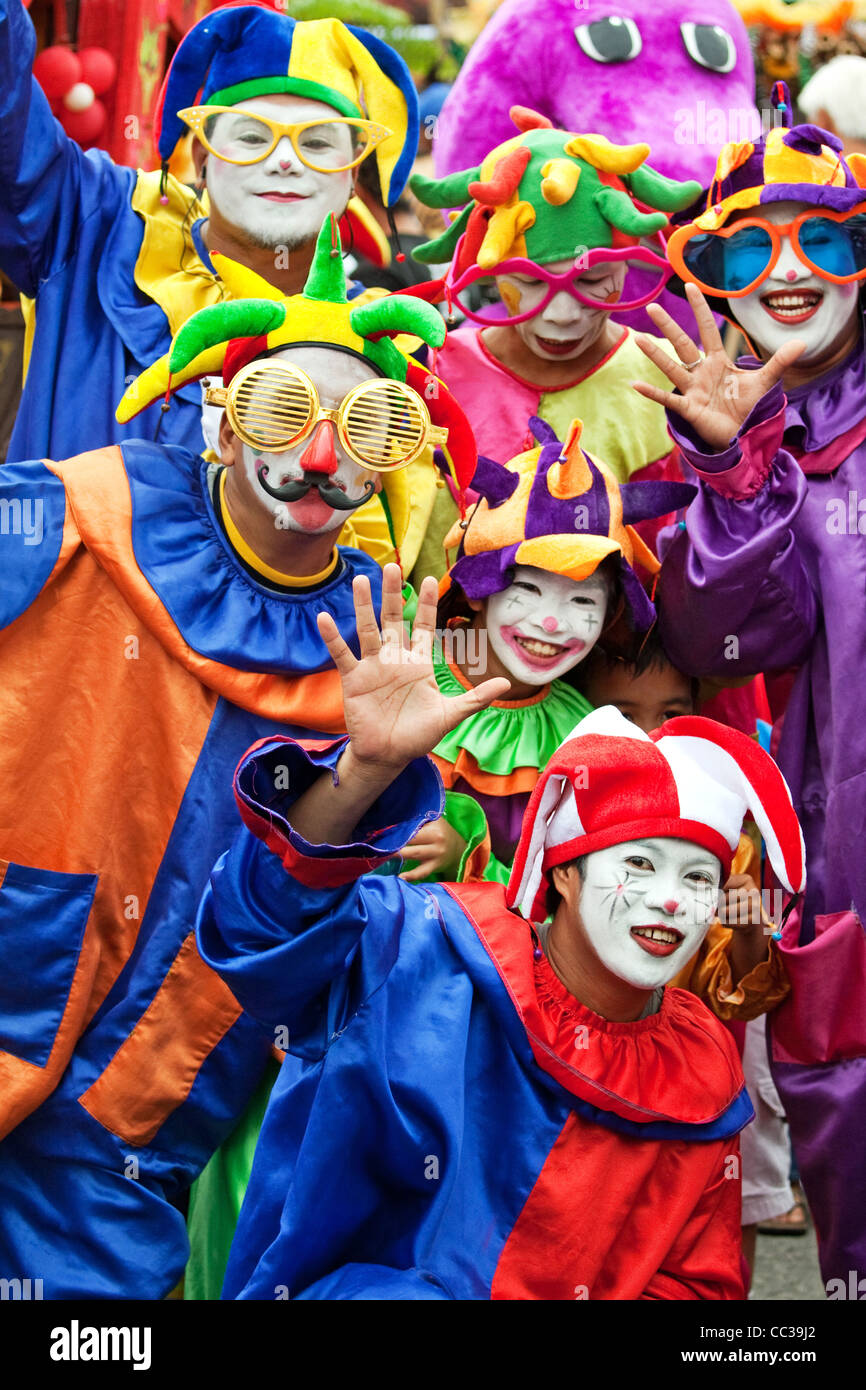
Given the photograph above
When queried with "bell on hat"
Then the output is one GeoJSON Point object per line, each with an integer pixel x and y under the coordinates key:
{"type": "Point", "coordinates": [692, 779]}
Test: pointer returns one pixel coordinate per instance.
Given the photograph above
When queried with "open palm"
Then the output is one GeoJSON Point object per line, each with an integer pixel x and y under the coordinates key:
{"type": "Point", "coordinates": [393, 708]}
{"type": "Point", "coordinates": [715, 396]}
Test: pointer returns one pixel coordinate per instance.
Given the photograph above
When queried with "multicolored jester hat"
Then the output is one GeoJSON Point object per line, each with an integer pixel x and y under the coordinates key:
{"type": "Point", "coordinates": [791, 163]}
{"type": "Point", "coordinates": [243, 51]}
{"type": "Point", "coordinates": [258, 321]}
{"type": "Point", "coordinates": [547, 194]}
{"type": "Point", "coordinates": [559, 509]}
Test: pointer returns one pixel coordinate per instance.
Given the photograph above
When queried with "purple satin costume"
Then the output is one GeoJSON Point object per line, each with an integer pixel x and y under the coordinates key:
{"type": "Point", "coordinates": [768, 572]}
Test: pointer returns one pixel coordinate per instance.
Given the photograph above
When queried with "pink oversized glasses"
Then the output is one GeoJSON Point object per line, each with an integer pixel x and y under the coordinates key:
{"type": "Point", "coordinates": [647, 273]}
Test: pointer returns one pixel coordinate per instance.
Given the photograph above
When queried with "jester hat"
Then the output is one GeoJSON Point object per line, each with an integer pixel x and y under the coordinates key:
{"type": "Point", "coordinates": [692, 779]}
{"type": "Point", "coordinates": [243, 51]}
{"type": "Point", "coordinates": [259, 321]}
{"type": "Point", "coordinates": [558, 509]}
{"type": "Point", "coordinates": [545, 195]}
{"type": "Point", "coordinates": [797, 163]}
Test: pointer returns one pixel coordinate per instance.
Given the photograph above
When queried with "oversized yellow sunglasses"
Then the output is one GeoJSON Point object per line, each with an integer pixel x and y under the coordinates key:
{"type": "Point", "coordinates": [242, 137]}
{"type": "Point", "coordinates": [383, 425]}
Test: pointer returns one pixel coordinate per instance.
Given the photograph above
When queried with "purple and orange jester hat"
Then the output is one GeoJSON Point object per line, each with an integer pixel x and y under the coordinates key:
{"type": "Point", "coordinates": [558, 509]}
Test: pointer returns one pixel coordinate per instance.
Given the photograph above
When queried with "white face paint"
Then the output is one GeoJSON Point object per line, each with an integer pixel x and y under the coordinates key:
{"type": "Point", "coordinates": [543, 624]}
{"type": "Point", "coordinates": [646, 906]}
{"type": "Point", "coordinates": [794, 302]}
{"type": "Point", "coordinates": [565, 328]}
{"type": "Point", "coordinates": [279, 202]}
{"type": "Point", "coordinates": [334, 374]}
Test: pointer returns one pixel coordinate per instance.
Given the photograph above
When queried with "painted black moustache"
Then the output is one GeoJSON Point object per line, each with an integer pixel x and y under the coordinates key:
{"type": "Point", "coordinates": [332, 495]}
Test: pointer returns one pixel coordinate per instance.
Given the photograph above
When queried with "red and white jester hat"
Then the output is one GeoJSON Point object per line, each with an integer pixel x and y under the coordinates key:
{"type": "Point", "coordinates": [692, 779]}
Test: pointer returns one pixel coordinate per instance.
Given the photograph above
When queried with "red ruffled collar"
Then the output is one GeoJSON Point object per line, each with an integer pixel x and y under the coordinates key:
{"type": "Point", "coordinates": [679, 1065]}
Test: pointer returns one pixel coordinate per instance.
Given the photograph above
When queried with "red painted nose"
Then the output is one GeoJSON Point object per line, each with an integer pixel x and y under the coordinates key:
{"type": "Point", "coordinates": [549, 624]}
{"type": "Point", "coordinates": [319, 455]}
{"type": "Point", "coordinates": [671, 905]}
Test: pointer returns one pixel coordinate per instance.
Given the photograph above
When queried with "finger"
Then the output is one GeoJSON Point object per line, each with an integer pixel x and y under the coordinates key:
{"type": "Point", "coordinates": [392, 604]}
{"type": "Point", "coordinates": [369, 639]}
{"type": "Point", "coordinates": [665, 398]}
{"type": "Point", "coordinates": [665, 322]}
{"type": "Point", "coordinates": [422, 839]}
{"type": "Point", "coordinates": [461, 706]}
{"type": "Point", "coordinates": [338, 651]}
{"type": "Point", "coordinates": [781, 361]}
{"type": "Point", "coordinates": [424, 625]}
{"type": "Point", "coordinates": [684, 347]}
{"type": "Point", "coordinates": [673, 370]}
{"type": "Point", "coordinates": [710, 336]}
{"type": "Point", "coordinates": [427, 856]}
{"type": "Point", "coordinates": [416, 875]}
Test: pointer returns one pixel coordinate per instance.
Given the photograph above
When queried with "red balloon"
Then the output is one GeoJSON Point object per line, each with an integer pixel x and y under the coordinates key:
{"type": "Point", "coordinates": [84, 126]}
{"type": "Point", "coordinates": [98, 68]}
{"type": "Point", "coordinates": [56, 69]}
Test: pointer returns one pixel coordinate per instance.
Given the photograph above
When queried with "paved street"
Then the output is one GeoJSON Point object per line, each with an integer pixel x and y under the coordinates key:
{"type": "Point", "coordinates": [786, 1267]}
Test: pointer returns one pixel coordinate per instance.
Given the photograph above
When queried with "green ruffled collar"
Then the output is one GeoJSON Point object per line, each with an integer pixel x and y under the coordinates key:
{"type": "Point", "coordinates": [508, 735]}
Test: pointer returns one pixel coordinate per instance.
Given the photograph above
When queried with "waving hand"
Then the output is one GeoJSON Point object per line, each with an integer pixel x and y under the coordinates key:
{"type": "Point", "coordinates": [715, 396]}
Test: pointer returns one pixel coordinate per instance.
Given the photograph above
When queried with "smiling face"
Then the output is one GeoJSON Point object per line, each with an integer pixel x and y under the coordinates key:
{"type": "Point", "coordinates": [543, 624]}
{"type": "Point", "coordinates": [645, 907]}
{"type": "Point", "coordinates": [795, 302]}
{"type": "Point", "coordinates": [320, 458]}
{"type": "Point", "coordinates": [565, 328]}
{"type": "Point", "coordinates": [279, 202]}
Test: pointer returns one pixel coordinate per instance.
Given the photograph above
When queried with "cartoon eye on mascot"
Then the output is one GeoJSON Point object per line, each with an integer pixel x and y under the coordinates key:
{"type": "Point", "coordinates": [678, 73]}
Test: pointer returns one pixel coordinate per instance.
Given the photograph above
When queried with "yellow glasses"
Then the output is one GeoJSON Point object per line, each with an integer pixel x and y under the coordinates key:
{"type": "Point", "coordinates": [240, 137]}
{"type": "Point", "coordinates": [382, 425]}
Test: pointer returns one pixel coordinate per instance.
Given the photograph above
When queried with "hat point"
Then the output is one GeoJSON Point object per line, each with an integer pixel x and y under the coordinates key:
{"type": "Point", "coordinates": [327, 278]}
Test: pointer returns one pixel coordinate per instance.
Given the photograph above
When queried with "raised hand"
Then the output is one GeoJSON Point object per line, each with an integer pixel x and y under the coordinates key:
{"type": "Point", "coordinates": [393, 707]}
{"type": "Point", "coordinates": [715, 396]}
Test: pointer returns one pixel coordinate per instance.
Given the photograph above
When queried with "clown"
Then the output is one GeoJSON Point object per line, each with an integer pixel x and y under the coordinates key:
{"type": "Point", "coordinates": [306, 467]}
{"type": "Point", "coordinates": [677, 71]}
{"type": "Point", "coordinates": [543, 567]}
{"type": "Point", "coordinates": [772, 554]}
{"type": "Point", "coordinates": [375, 1174]}
{"type": "Point", "coordinates": [115, 260]}
{"type": "Point", "coordinates": [143, 643]}
{"type": "Point", "coordinates": [550, 243]}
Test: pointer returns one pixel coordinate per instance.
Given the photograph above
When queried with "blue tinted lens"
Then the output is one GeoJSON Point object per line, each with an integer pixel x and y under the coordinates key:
{"type": "Point", "coordinates": [729, 263]}
{"type": "Point", "coordinates": [745, 257]}
{"type": "Point", "coordinates": [828, 246]}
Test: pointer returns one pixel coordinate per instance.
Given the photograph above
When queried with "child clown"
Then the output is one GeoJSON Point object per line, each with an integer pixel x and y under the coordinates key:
{"type": "Point", "coordinates": [545, 564]}
{"type": "Point", "coordinates": [543, 1119]}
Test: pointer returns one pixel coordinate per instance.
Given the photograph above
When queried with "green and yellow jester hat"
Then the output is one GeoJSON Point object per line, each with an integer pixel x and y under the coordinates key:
{"type": "Point", "coordinates": [547, 194]}
{"type": "Point", "coordinates": [259, 320]}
